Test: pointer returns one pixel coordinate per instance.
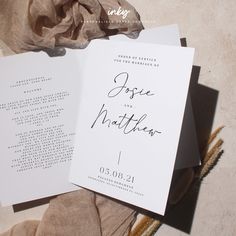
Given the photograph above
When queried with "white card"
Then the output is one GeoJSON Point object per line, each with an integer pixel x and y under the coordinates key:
{"type": "Point", "coordinates": [167, 35]}
{"type": "Point", "coordinates": [38, 101]}
{"type": "Point", "coordinates": [188, 151]}
{"type": "Point", "coordinates": [130, 116]}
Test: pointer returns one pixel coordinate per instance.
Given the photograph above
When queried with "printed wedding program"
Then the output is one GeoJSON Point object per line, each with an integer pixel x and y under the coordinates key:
{"type": "Point", "coordinates": [129, 120]}
{"type": "Point", "coordinates": [38, 112]}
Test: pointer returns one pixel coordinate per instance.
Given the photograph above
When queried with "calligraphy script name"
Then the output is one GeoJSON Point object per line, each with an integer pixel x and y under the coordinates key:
{"type": "Point", "coordinates": [122, 80]}
{"type": "Point", "coordinates": [127, 124]}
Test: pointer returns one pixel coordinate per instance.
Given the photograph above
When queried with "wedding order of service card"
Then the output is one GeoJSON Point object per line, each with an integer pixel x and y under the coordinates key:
{"type": "Point", "coordinates": [130, 116]}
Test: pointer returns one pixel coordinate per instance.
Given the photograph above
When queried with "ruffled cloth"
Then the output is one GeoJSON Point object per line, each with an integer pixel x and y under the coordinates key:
{"type": "Point", "coordinates": [79, 213]}
{"type": "Point", "coordinates": [37, 25]}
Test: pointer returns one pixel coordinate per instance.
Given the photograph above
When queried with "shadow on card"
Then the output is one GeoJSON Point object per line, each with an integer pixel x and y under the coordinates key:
{"type": "Point", "coordinates": [204, 100]}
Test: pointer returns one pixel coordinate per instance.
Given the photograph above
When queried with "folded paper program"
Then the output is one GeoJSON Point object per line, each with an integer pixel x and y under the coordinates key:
{"type": "Point", "coordinates": [36, 25]}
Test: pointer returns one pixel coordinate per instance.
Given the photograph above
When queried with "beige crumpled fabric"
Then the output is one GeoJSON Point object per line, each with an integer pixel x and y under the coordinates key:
{"type": "Point", "coordinates": [79, 213]}
{"type": "Point", "coordinates": [35, 24]}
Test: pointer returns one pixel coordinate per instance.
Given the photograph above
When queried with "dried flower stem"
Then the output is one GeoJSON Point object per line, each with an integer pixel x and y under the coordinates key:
{"type": "Point", "coordinates": [142, 226]}
{"type": "Point", "coordinates": [216, 154]}
{"type": "Point", "coordinates": [214, 135]}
